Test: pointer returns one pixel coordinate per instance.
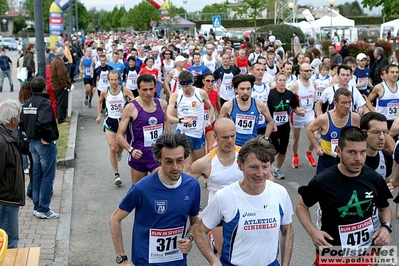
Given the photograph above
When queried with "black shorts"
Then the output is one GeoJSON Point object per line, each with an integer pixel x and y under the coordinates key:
{"type": "Point", "coordinates": [88, 81]}
{"type": "Point", "coordinates": [111, 124]}
{"type": "Point", "coordinates": [281, 138]}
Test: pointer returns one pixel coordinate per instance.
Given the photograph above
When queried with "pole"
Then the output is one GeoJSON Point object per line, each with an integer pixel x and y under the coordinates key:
{"type": "Point", "coordinates": [331, 31]}
{"type": "Point", "coordinates": [70, 22]}
{"type": "Point", "coordinates": [76, 15]}
{"type": "Point", "coordinates": [39, 32]}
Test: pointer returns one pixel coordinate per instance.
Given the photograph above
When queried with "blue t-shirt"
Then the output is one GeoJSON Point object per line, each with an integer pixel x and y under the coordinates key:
{"type": "Point", "coordinates": [160, 209]}
{"type": "Point", "coordinates": [120, 67]}
{"type": "Point", "coordinates": [362, 75]}
{"type": "Point", "coordinates": [197, 71]}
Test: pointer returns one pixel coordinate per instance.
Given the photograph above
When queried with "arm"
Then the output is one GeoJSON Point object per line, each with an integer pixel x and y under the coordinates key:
{"type": "Point", "coordinates": [382, 236]}
{"type": "Point", "coordinates": [171, 108]}
{"type": "Point", "coordinates": [226, 109]}
{"type": "Point", "coordinates": [376, 92]}
{"type": "Point", "coordinates": [317, 107]}
{"type": "Point", "coordinates": [95, 76]}
{"type": "Point", "coordinates": [201, 239]}
{"type": "Point", "coordinates": [394, 131]}
{"type": "Point", "coordinates": [166, 85]}
{"type": "Point", "coordinates": [99, 105]}
{"type": "Point", "coordinates": [208, 104]}
{"type": "Point", "coordinates": [164, 105]}
{"type": "Point", "coordinates": [200, 167]}
{"type": "Point", "coordinates": [185, 243]}
{"type": "Point", "coordinates": [265, 112]}
{"type": "Point", "coordinates": [318, 236]}
{"type": "Point", "coordinates": [116, 232]}
{"type": "Point", "coordinates": [286, 244]}
{"type": "Point", "coordinates": [316, 125]}
{"type": "Point", "coordinates": [128, 94]}
{"type": "Point", "coordinates": [130, 112]}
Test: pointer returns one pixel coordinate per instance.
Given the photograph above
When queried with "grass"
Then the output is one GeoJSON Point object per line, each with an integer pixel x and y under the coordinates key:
{"type": "Point", "coordinates": [62, 142]}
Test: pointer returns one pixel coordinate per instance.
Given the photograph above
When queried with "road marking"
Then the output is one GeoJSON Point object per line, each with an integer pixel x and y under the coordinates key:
{"type": "Point", "coordinates": [295, 185]}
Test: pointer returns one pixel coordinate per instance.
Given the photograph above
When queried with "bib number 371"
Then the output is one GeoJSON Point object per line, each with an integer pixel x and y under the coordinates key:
{"type": "Point", "coordinates": [163, 245]}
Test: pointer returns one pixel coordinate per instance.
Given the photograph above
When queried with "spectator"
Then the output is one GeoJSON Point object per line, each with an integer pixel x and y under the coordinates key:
{"type": "Point", "coordinates": [379, 63]}
{"type": "Point", "coordinates": [309, 49]}
{"type": "Point", "coordinates": [297, 44]}
{"type": "Point", "coordinates": [29, 61]}
{"type": "Point", "coordinates": [335, 57]}
{"type": "Point", "coordinates": [6, 67]}
{"type": "Point", "coordinates": [315, 63]}
{"type": "Point", "coordinates": [12, 178]}
{"type": "Point", "coordinates": [344, 49]}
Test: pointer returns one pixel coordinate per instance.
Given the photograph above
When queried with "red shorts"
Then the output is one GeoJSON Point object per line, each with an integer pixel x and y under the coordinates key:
{"type": "Point", "coordinates": [208, 129]}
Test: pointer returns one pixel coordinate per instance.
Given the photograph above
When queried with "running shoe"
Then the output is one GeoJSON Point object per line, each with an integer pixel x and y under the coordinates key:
{"type": "Point", "coordinates": [310, 158]}
{"type": "Point", "coordinates": [295, 161]}
{"type": "Point", "coordinates": [46, 215]}
{"type": "Point", "coordinates": [86, 101]}
{"type": "Point", "coordinates": [278, 174]}
{"type": "Point", "coordinates": [118, 180]}
{"type": "Point", "coordinates": [89, 104]}
{"type": "Point", "coordinates": [212, 242]}
{"type": "Point", "coordinates": [119, 155]}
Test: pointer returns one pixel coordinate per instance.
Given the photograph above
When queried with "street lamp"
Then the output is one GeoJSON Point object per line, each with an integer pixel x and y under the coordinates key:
{"type": "Point", "coordinates": [291, 6]}
{"type": "Point", "coordinates": [20, 7]}
{"type": "Point", "coordinates": [331, 3]}
{"type": "Point", "coordinates": [4, 24]}
{"type": "Point", "coordinates": [185, 8]}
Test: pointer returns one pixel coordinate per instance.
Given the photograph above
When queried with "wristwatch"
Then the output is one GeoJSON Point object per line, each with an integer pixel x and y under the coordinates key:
{"type": "Point", "coordinates": [130, 150]}
{"type": "Point", "coordinates": [190, 237]}
{"type": "Point", "coordinates": [266, 138]}
{"type": "Point", "coordinates": [180, 120]}
{"type": "Point", "coordinates": [387, 225]}
{"type": "Point", "coordinates": [121, 258]}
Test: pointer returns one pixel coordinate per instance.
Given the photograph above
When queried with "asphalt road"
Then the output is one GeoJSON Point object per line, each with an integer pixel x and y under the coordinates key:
{"type": "Point", "coordinates": [95, 196]}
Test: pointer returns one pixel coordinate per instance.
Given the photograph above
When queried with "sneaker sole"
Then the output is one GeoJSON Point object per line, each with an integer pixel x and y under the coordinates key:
{"type": "Point", "coordinates": [280, 178]}
{"type": "Point", "coordinates": [311, 164]}
{"type": "Point", "coordinates": [117, 182]}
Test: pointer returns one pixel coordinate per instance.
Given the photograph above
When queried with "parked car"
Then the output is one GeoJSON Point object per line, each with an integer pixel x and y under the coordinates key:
{"type": "Point", "coordinates": [10, 44]}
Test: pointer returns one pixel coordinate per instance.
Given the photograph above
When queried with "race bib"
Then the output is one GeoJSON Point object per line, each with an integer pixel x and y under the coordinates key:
{"type": "Point", "coordinates": [243, 70]}
{"type": "Point", "coordinates": [280, 118]}
{"type": "Point", "coordinates": [88, 71]}
{"type": "Point", "coordinates": [206, 116]}
{"type": "Point", "coordinates": [357, 234]}
{"type": "Point", "coordinates": [334, 144]}
{"type": "Point", "coordinates": [392, 109]}
{"type": "Point", "coordinates": [194, 123]}
{"type": "Point", "coordinates": [245, 123]}
{"type": "Point", "coordinates": [306, 101]}
{"type": "Point", "coordinates": [163, 245]}
{"type": "Point", "coordinates": [104, 79]}
{"type": "Point", "coordinates": [319, 91]}
{"type": "Point", "coordinates": [151, 134]}
{"type": "Point", "coordinates": [228, 87]}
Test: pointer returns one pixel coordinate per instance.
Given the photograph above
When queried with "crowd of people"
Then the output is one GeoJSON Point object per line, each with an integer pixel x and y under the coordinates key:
{"type": "Point", "coordinates": [234, 110]}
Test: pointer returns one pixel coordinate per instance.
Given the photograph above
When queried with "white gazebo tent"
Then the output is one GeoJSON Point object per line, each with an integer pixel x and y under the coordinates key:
{"type": "Point", "coordinates": [392, 25]}
{"type": "Point", "coordinates": [340, 23]}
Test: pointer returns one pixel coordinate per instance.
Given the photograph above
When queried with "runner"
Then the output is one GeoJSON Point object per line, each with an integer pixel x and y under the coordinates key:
{"type": "Point", "coordinates": [345, 193]}
{"type": "Point", "coordinates": [172, 80]}
{"type": "Point", "coordinates": [304, 89]}
{"type": "Point", "coordinates": [224, 76]}
{"type": "Point", "coordinates": [208, 59]}
{"type": "Point", "coordinates": [245, 110]}
{"type": "Point", "coordinates": [197, 69]}
{"type": "Point", "coordinates": [130, 75]}
{"type": "Point", "coordinates": [170, 198]}
{"type": "Point", "coordinates": [330, 125]}
{"type": "Point", "coordinates": [189, 102]}
{"type": "Point", "coordinates": [250, 210]}
{"type": "Point", "coordinates": [144, 120]}
{"type": "Point", "coordinates": [219, 167]}
{"type": "Point", "coordinates": [87, 68]}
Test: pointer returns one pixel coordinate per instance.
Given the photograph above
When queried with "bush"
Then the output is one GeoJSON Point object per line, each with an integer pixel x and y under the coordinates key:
{"type": "Point", "coordinates": [283, 33]}
{"type": "Point", "coordinates": [359, 47]}
{"type": "Point", "coordinates": [387, 47]}
{"type": "Point", "coordinates": [324, 47]}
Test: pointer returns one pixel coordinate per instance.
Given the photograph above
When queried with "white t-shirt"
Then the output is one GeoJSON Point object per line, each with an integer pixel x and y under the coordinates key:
{"type": "Point", "coordinates": [357, 99]}
{"type": "Point", "coordinates": [252, 218]}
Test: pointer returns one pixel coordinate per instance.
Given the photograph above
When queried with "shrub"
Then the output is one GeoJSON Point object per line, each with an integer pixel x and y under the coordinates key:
{"type": "Point", "coordinates": [358, 47]}
{"type": "Point", "coordinates": [324, 47]}
{"type": "Point", "coordinates": [283, 33]}
{"type": "Point", "coordinates": [387, 47]}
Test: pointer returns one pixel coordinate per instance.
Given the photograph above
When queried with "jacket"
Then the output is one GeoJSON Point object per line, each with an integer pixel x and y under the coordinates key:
{"type": "Point", "coordinates": [59, 75]}
{"type": "Point", "coordinates": [29, 63]}
{"type": "Point", "coordinates": [12, 178]}
{"type": "Point", "coordinates": [37, 118]}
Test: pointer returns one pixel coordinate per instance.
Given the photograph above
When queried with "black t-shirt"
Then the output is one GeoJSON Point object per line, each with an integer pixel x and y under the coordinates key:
{"type": "Point", "coordinates": [278, 102]}
{"type": "Point", "coordinates": [346, 201]}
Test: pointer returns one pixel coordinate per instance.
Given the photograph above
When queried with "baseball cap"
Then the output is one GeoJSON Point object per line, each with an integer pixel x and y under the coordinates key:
{"type": "Point", "coordinates": [180, 58]}
{"type": "Point", "coordinates": [155, 49]}
{"type": "Point", "coordinates": [361, 56]}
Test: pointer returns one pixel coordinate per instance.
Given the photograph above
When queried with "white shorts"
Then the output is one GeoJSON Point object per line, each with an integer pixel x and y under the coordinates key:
{"type": "Point", "coordinates": [299, 121]}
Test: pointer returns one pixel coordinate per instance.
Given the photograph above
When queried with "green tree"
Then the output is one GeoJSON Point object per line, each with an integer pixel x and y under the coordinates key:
{"type": "Point", "coordinates": [142, 14]}
{"type": "Point", "coordinates": [19, 24]}
{"type": "Point", "coordinates": [105, 20]}
{"type": "Point", "coordinates": [4, 6]}
{"type": "Point", "coordinates": [390, 7]}
{"type": "Point", "coordinates": [350, 9]}
{"type": "Point", "coordinates": [46, 9]}
{"type": "Point", "coordinates": [215, 8]}
{"type": "Point", "coordinates": [252, 8]}
{"type": "Point", "coordinates": [84, 17]}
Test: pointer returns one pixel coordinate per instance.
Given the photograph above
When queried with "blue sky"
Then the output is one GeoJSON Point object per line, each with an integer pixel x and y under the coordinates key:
{"type": "Point", "coordinates": [194, 5]}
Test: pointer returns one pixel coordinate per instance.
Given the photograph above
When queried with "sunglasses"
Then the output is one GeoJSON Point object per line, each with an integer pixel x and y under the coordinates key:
{"type": "Point", "coordinates": [167, 54]}
{"type": "Point", "coordinates": [210, 80]}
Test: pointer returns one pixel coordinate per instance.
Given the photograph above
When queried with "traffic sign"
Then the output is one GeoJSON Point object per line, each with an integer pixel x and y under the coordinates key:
{"type": "Point", "coordinates": [216, 21]}
{"type": "Point", "coordinates": [153, 23]}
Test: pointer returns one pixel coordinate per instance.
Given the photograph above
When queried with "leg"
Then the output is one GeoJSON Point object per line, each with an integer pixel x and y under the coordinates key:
{"type": "Point", "coordinates": [111, 139]}
{"type": "Point", "coordinates": [36, 173]}
{"type": "Point", "coordinates": [1, 80]}
{"type": "Point", "coordinates": [48, 161]}
{"type": "Point", "coordinates": [280, 160]}
{"type": "Point", "coordinates": [296, 132]}
{"type": "Point", "coordinates": [9, 223]}
{"type": "Point", "coordinates": [8, 73]}
{"type": "Point", "coordinates": [136, 175]}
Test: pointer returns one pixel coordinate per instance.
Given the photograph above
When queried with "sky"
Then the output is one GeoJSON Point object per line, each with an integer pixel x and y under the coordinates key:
{"type": "Point", "coordinates": [192, 5]}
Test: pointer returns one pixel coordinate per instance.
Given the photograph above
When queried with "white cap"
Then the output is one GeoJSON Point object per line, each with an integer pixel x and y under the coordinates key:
{"type": "Point", "coordinates": [361, 56]}
{"type": "Point", "coordinates": [180, 58]}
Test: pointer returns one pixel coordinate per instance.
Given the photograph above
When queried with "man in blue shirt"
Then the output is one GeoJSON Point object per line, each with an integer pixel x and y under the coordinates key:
{"type": "Point", "coordinates": [197, 69]}
{"type": "Point", "coordinates": [116, 65]}
{"type": "Point", "coordinates": [5, 66]}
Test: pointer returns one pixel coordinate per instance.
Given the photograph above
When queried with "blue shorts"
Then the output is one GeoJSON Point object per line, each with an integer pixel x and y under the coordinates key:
{"type": "Point", "coordinates": [111, 124]}
{"type": "Point", "coordinates": [197, 143]}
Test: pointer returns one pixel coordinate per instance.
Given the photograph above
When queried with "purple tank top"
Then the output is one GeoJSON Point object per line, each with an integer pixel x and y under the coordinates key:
{"type": "Point", "coordinates": [145, 130]}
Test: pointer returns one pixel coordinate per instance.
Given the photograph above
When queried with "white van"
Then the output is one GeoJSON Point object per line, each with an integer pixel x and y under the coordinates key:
{"type": "Point", "coordinates": [219, 31]}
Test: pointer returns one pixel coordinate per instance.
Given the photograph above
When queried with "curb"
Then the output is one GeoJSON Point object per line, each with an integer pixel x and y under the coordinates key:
{"type": "Point", "coordinates": [61, 255]}
{"type": "Point", "coordinates": [69, 160]}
